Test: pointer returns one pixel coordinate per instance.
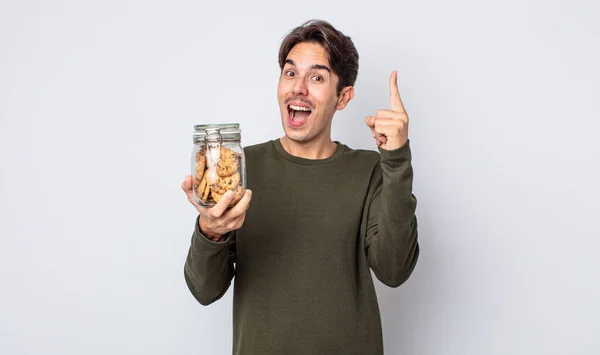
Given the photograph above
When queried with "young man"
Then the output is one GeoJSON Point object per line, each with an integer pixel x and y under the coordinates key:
{"type": "Point", "coordinates": [322, 216]}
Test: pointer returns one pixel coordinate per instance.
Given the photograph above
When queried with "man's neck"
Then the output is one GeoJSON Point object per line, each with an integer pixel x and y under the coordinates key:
{"type": "Point", "coordinates": [310, 150]}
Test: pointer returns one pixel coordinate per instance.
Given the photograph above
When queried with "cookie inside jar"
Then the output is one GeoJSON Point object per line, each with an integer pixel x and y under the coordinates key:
{"type": "Point", "coordinates": [218, 170]}
{"type": "Point", "coordinates": [218, 163]}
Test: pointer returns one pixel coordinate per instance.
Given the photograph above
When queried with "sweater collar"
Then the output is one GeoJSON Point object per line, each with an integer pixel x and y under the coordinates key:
{"type": "Point", "coordinates": [303, 161]}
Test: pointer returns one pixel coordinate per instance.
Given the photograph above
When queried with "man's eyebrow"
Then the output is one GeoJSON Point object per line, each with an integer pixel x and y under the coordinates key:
{"type": "Point", "coordinates": [314, 66]}
{"type": "Point", "coordinates": [321, 66]}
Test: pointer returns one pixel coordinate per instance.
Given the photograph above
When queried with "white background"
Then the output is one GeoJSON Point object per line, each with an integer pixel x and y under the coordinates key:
{"type": "Point", "coordinates": [97, 104]}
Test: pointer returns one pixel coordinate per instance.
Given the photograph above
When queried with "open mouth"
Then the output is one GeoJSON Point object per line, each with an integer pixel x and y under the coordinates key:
{"type": "Point", "coordinates": [298, 114]}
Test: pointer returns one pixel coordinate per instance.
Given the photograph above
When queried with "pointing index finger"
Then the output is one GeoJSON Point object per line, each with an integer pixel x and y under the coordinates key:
{"type": "Point", "coordinates": [395, 101]}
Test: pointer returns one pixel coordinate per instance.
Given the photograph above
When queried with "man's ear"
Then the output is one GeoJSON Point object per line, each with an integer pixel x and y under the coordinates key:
{"type": "Point", "coordinates": [345, 96]}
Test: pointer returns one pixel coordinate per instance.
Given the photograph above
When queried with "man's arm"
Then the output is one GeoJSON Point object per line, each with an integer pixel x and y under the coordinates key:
{"type": "Point", "coordinates": [209, 266]}
{"type": "Point", "coordinates": [391, 239]}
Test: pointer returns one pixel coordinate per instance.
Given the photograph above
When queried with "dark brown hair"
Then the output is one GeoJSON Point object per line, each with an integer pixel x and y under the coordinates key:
{"type": "Point", "coordinates": [340, 49]}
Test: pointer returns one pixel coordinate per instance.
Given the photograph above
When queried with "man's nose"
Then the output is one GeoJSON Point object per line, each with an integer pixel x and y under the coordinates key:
{"type": "Point", "coordinates": [300, 87]}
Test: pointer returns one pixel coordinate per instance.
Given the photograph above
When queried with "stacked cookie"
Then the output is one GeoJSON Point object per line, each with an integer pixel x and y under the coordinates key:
{"type": "Point", "coordinates": [214, 177]}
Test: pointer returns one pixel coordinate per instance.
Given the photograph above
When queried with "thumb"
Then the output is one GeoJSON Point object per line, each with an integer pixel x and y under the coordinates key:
{"type": "Point", "coordinates": [223, 204]}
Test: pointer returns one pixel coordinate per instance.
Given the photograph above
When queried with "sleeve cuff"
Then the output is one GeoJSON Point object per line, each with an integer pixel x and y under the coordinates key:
{"type": "Point", "coordinates": [200, 237]}
{"type": "Point", "coordinates": [396, 156]}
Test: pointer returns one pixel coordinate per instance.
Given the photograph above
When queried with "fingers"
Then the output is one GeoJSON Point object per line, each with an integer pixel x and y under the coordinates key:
{"type": "Point", "coordinates": [238, 213]}
{"type": "Point", "coordinates": [222, 206]}
{"type": "Point", "coordinates": [217, 210]}
{"type": "Point", "coordinates": [392, 114]}
{"type": "Point", "coordinates": [237, 222]}
{"type": "Point", "coordinates": [380, 138]}
{"type": "Point", "coordinates": [242, 206]}
{"type": "Point", "coordinates": [370, 121]}
{"type": "Point", "coordinates": [389, 126]}
{"type": "Point", "coordinates": [188, 187]}
{"type": "Point", "coordinates": [218, 220]}
{"type": "Point", "coordinates": [187, 184]}
{"type": "Point", "coordinates": [395, 101]}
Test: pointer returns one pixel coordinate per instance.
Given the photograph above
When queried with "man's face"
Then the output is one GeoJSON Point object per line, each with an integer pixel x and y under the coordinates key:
{"type": "Point", "coordinates": [307, 93]}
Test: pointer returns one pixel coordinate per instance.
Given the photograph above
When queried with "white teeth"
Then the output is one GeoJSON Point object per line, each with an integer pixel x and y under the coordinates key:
{"type": "Point", "coordinates": [299, 108]}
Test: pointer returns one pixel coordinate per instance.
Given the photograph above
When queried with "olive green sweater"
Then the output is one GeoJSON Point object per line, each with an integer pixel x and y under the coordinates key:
{"type": "Point", "coordinates": [302, 259]}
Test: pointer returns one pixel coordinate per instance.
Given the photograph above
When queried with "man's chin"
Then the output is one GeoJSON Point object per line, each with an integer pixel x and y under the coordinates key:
{"type": "Point", "coordinates": [294, 135]}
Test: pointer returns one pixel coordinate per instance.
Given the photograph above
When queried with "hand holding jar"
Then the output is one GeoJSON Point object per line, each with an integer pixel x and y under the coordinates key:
{"type": "Point", "coordinates": [220, 219]}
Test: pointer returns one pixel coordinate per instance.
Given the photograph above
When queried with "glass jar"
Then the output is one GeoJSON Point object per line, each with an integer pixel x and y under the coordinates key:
{"type": "Point", "coordinates": [218, 163]}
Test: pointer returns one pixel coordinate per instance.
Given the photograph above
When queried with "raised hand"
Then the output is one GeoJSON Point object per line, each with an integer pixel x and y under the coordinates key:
{"type": "Point", "coordinates": [390, 127]}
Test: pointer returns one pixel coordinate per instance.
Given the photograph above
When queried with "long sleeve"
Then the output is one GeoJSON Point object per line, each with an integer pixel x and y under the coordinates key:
{"type": "Point", "coordinates": [209, 267]}
{"type": "Point", "coordinates": [391, 238]}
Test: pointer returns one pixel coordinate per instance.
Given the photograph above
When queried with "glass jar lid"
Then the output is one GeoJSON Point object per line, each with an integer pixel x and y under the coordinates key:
{"type": "Point", "coordinates": [226, 131]}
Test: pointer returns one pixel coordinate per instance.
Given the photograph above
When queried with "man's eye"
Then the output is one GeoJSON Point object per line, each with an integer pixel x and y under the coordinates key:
{"type": "Point", "coordinates": [317, 78]}
{"type": "Point", "coordinates": [289, 73]}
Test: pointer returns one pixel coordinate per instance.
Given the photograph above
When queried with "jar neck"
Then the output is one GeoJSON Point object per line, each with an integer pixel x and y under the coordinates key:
{"type": "Point", "coordinates": [228, 138]}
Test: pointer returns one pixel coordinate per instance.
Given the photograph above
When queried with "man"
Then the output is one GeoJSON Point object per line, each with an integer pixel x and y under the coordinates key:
{"type": "Point", "coordinates": [322, 216]}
